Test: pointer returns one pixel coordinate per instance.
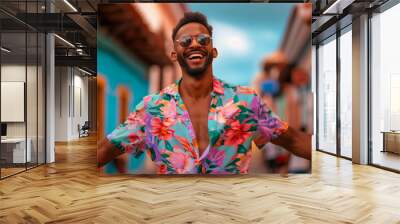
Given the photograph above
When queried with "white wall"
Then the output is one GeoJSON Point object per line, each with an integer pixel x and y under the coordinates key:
{"type": "Point", "coordinates": [80, 94]}
{"type": "Point", "coordinates": [61, 103]}
{"type": "Point", "coordinates": [17, 73]}
{"type": "Point", "coordinates": [33, 126]}
{"type": "Point", "coordinates": [14, 73]}
{"type": "Point", "coordinates": [70, 83]}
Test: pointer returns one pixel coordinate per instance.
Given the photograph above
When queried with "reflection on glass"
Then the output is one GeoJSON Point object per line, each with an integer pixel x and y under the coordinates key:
{"type": "Point", "coordinates": [23, 89]}
{"type": "Point", "coordinates": [385, 86]}
{"type": "Point", "coordinates": [41, 97]}
{"type": "Point", "coordinates": [327, 96]}
{"type": "Point", "coordinates": [14, 146]}
{"type": "Point", "coordinates": [346, 94]}
{"type": "Point", "coordinates": [31, 97]}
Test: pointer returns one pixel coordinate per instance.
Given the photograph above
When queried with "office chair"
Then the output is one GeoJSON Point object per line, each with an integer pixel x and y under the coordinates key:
{"type": "Point", "coordinates": [84, 130]}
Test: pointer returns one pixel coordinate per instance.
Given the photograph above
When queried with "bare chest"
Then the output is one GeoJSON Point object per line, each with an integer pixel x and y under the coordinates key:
{"type": "Point", "coordinates": [198, 112]}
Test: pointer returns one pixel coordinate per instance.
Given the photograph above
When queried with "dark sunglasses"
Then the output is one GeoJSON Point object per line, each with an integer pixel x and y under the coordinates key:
{"type": "Point", "coordinates": [202, 39]}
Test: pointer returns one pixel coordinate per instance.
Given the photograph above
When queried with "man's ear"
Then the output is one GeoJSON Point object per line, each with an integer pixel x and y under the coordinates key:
{"type": "Point", "coordinates": [174, 56]}
{"type": "Point", "coordinates": [214, 53]}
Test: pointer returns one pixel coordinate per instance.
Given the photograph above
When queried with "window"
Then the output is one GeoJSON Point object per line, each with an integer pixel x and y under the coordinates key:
{"type": "Point", "coordinates": [385, 89]}
{"type": "Point", "coordinates": [346, 93]}
{"type": "Point", "coordinates": [327, 96]}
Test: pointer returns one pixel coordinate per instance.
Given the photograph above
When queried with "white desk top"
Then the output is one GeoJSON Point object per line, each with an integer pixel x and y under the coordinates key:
{"type": "Point", "coordinates": [13, 140]}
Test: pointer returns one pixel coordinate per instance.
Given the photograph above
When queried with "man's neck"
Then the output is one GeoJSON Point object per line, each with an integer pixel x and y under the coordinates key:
{"type": "Point", "coordinates": [196, 88]}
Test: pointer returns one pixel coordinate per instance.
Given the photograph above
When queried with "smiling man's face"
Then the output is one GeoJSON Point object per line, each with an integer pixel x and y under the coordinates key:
{"type": "Point", "coordinates": [195, 58]}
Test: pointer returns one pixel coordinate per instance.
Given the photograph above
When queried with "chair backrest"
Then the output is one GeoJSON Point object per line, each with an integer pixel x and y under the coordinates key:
{"type": "Point", "coordinates": [86, 124]}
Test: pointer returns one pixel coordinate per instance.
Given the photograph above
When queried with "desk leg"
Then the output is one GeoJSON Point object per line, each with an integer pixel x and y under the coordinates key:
{"type": "Point", "coordinates": [384, 142]}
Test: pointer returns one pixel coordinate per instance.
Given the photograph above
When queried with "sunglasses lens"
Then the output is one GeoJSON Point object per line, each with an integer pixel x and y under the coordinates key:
{"type": "Point", "coordinates": [185, 41]}
{"type": "Point", "coordinates": [203, 39]}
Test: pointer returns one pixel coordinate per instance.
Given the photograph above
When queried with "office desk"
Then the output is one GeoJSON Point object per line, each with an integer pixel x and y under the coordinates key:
{"type": "Point", "coordinates": [15, 148]}
{"type": "Point", "coordinates": [391, 141]}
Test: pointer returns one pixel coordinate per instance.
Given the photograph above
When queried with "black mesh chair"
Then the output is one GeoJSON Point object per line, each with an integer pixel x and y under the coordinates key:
{"type": "Point", "coordinates": [84, 130]}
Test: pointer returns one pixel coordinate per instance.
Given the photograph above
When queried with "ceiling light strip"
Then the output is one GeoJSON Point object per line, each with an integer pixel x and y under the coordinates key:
{"type": "Point", "coordinates": [84, 71]}
{"type": "Point", "coordinates": [5, 50]}
{"type": "Point", "coordinates": [70, 5]}
{"type": "Point", "coordinates": [65, 41]}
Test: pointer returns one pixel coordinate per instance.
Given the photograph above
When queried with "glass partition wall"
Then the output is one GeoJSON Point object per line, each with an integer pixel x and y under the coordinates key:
{"type": "Point", "coordinates": [22, 88]}
{"type": "Point", "coordinates": [334, 94]}
{"type": "Point", "coordinates": [13, 90]}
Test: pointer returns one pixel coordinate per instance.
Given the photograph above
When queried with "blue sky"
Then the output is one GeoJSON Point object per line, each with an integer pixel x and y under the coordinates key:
{"type": "Point", "coordinates": [244, 33]}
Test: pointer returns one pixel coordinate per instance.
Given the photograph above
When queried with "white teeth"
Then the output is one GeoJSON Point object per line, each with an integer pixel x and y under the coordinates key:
{"type": "Point", "coordinates": [195, 55]}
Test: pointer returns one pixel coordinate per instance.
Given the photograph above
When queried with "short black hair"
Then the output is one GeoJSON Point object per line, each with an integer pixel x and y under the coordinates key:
{"type": "Point", "coordinates": [191, 17]}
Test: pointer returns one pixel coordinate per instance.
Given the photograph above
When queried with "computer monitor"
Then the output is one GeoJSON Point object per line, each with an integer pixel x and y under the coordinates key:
{"type": "Point", "coordinates": [3, 129]}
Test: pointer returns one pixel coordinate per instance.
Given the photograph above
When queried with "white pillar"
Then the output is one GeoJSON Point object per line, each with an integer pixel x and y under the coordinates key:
{"type": "Point", "coordinates": [360, 90]}
{"type": "Point", "coordinates": [50, 94]}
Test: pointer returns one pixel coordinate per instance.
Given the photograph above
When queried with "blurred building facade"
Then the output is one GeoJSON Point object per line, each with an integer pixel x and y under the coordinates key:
{"type": "Point", "coordinates": [284, 83]}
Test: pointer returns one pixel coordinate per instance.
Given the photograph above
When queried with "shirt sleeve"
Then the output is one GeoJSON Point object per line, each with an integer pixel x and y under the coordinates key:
{"type": "Point", "coordinates": [270, 126]}
{"type": "Point", "coordinates": [130, 135]}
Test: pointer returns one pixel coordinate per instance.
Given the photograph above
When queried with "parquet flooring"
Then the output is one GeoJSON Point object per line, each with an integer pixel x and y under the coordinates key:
{"type": "Point", "coordinates": [71, 191]}
{"type": "Point", "coordinates": [10, 171]}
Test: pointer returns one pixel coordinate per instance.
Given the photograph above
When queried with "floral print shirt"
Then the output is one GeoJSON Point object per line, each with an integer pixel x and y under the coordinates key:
{"type": "Point", "coordinates": [161, 126]}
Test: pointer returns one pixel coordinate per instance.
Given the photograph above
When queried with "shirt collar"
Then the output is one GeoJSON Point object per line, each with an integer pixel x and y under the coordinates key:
{"type": "Point", "coordinates": [173, 90]}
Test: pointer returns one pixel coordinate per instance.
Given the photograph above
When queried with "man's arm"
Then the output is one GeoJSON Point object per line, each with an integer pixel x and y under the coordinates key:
{"type": "Point", "coordinates": [106, 152]}
{"type": "Point", "coordinates": [272, 129]}
{"type": "Point", "coordinates": [299, 143]}
{"type": "Point", "coordinates": [127, 137]}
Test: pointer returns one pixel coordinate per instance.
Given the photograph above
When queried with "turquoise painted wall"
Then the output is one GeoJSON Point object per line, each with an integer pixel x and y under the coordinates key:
{"type": "Point", "coordinates": [120, 68]}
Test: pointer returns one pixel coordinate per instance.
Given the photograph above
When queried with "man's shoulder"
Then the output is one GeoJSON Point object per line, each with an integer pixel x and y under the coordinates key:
{"type": "Point", "coordinates": [229, 91]}
{"type": "Point", "coordinates": [165, 94]}
{"type": "Point", "coordinates": [237, 90]}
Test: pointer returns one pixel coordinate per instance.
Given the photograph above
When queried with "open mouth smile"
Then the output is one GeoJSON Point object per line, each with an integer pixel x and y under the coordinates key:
{"type": "Point", "coordinates": [195, 55]}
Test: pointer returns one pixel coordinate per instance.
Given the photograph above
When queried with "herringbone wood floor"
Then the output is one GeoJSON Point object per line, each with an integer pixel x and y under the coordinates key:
{"type": "Point", "coordinates": [71, 191]}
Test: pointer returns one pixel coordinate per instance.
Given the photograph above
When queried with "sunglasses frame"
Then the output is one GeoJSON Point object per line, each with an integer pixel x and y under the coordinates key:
{"type": "Point", "coordinates": [193, 37]}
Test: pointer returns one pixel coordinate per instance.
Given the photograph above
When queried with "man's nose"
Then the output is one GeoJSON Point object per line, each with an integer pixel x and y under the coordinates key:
{"type": "Point", "coordinates": [195, 43]}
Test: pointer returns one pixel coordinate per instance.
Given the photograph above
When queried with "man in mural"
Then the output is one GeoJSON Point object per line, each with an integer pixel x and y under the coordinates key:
{"type": "Point", "coordinates": [200, 124]}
